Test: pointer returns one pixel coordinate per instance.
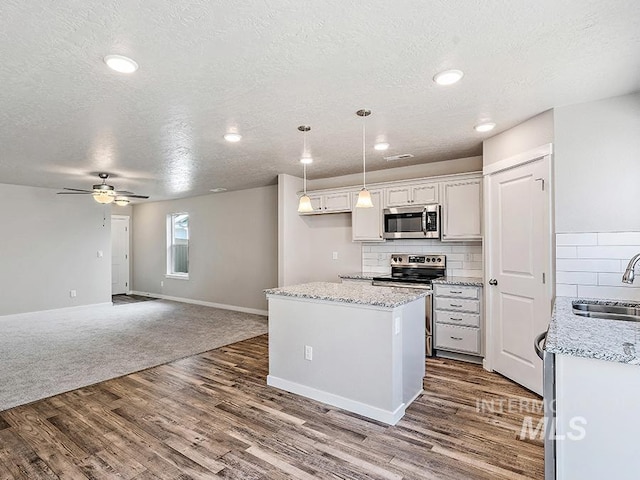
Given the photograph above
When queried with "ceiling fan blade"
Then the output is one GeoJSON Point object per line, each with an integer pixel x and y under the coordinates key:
{"type": "Point", "coordinates": [124, 193]}
{"type": "Point", "coordinates": [74, 193]}
{"type": "Point", "coordinates": [137, 196]}
{"type": "Point", "coordinates": [78, 190]}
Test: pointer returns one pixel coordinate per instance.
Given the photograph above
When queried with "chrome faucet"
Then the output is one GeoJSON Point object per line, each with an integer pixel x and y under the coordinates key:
{"type": "Point", "coordinates": [629, 273]}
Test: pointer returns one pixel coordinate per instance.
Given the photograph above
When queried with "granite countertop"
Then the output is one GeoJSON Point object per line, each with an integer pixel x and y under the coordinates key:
{"type": "Point", "coordinates": [463, 281]}
{"type": "Point", "coordinates": [358, 276]}
{"type": "Point", "coordinates": [354, 293]}
{"type": "Point", "coordinates": [588, 337]}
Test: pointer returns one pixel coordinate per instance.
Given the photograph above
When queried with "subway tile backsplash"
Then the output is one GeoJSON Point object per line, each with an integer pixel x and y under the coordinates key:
{"type": "Point", "coordinates": [591, 265]}
{"type": "Point", "coordinates": [464, 259]}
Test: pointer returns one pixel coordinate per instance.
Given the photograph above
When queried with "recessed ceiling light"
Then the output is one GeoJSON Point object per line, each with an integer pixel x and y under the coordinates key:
{"type": "Point", "coordinates": [232, 137]}
{"type": "Point", "coordinates": [484, 127]}
{"type": "Point", "coordinates": [381, 146]}
{"type": "Point", "coordinates": [306, 160]}
{"type": "Point", "coordinates": [120, 63]}
{"type": "Point", "coordinates": [448, 77]}
{"type": "Point", "coordinates": [218, 190]}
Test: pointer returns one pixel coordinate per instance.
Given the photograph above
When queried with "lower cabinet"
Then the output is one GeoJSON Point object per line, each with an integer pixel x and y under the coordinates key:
{"type": "Point", "coordinates": [457, 317]}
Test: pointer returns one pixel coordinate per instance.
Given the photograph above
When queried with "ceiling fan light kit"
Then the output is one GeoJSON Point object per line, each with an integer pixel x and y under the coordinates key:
{"type": "Point", "coordinates": [104, 194]}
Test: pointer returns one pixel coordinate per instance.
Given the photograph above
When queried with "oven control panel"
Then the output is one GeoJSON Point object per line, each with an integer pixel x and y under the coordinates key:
{"type": "Point", "coordinates": [411, 260]}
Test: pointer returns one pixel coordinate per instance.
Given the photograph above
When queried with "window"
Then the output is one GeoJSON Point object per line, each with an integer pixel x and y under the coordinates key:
{"type": "Point", "coordinates": [178, 245]}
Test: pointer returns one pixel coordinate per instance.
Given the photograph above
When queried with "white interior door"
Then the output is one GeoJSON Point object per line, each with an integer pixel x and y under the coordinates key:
{"type": "Point", "coordinates": [519, 249]}
{"type": "Point", "coordinates": [119, 254]}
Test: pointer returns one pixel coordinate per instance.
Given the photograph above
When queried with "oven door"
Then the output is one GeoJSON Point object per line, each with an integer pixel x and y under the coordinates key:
{"type": "Point", "coordinates": [405, 222]}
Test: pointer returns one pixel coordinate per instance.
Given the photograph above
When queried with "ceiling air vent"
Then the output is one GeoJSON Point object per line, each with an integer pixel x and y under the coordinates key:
{"type": "Point", "coordinates": [402, 156]}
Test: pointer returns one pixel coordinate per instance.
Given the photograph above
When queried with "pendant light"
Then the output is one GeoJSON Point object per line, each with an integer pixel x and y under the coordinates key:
{"type": "Point", "coordinates": [304, 205]}
{"type": "Point", "coordinates": [364, 197]}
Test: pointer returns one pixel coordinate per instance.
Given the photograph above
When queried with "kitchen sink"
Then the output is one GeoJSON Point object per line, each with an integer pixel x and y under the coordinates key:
{"type": "Point", "coordinates": [628, 312]}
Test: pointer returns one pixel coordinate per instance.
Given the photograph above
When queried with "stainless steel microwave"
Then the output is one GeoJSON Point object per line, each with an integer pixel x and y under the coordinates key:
{"type": "Point", "coordinates": [412, 222]}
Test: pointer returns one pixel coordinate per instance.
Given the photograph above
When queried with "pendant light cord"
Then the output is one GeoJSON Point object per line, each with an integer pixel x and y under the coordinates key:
{"type": "Point", "coordinates": [304, 153]}
{"type": "Point", "coordinates": [364, 161]}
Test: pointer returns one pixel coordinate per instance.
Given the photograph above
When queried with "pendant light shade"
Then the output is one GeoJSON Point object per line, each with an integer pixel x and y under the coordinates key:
{"type": "Point", "coordinates": [304, 205]}
{"type": "Point", "coordinates": [364, 197]}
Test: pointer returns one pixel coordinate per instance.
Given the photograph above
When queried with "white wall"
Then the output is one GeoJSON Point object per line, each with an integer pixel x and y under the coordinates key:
{"type": "Point", "coordinates": [597, 166]}
{"type": "Point", "coordinates": [597, 192]}
{"type": "Point", "coordinates": [49, 246]}
{"type": "Point", "coordinates": [232, 247]}
{"type": "Point", "coordinates": [394, 173]}
{"type": "Point", "coordinates": [306, 243]}
{"type": "Point", "coordinates": [529, 134]}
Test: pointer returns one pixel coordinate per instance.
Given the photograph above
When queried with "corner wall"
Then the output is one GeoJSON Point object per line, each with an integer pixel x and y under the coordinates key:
{"type": "Point", "coordinates": [49, 246]}
{"type": "Point", "coordinates": [526, 136]}
{"type": "Point", "coordinates": [597, 172]}
{"type": "Point", "coordinates": [232, 247]}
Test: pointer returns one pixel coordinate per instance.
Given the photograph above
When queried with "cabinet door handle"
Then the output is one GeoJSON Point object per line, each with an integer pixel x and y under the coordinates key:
{"type": "Point", "coordinates": [456, 338]}
{"type": "Point", "coordinates": [454, 305]}
{"type": "Point", "coordinates": [456, 319]}
{"type": "Point", "coordinates": [455, 291]}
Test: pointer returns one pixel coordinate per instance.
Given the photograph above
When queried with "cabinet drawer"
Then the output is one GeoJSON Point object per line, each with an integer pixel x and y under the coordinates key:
{"type": "Point", "coordinates": [457, 304]}
{"type": "Point", "coordinates": [457, 291]}
{"type": "Point", "coordinates": [466, 319]}
{"type": "Point", "coordinates": [464, 339]}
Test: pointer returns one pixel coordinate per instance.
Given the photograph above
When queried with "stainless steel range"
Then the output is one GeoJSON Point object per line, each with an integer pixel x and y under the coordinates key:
{"type": "Point", "coordinates": [416, 271]}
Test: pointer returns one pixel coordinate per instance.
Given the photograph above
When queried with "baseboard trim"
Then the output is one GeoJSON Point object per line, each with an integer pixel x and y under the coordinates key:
{"type": "Point", "coordinates": [223, 306]}
{"type": "Point", "coordinates": [386, 416]}
{"type": "Point", "coordinates": [55, 311]}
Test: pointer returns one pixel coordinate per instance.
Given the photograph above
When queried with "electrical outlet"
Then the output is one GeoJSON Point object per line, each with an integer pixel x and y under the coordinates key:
{"type": "Point", "coordinates": [308, 352]}
{"type": "Point", "coordinates": [100, 254]}
{"type": "Point", "coordinates": [335, 255]}
{"type": "Point", "coordinates": [162, 283]}
{"type": "Point", "coordinates": [382, 257]}
{"type": "Point", "coordinates": [468, 257]}
{"type": "Point", "coordinates": [73, 293]}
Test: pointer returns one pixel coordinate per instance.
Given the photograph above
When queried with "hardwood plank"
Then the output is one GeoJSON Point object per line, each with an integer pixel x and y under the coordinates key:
{"type": "Point", "coordinates": [213, 416]}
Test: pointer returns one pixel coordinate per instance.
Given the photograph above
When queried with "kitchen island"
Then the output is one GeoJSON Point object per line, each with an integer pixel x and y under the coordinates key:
{"type": "Point", "coordinates": [357, 347]}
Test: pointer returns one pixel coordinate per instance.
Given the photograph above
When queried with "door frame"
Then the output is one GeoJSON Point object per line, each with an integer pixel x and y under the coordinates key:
{"type": "Point", "coordinates": [128, 219]}
{"type": "Point", "coordinates": [538, 153]}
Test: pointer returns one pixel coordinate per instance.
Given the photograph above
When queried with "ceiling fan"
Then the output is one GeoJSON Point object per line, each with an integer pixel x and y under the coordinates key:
{"type": "Point", "coordinates": [103, 193]}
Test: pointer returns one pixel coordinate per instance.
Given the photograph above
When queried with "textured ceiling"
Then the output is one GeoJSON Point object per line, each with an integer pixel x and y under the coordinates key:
{"type": "Point", "coordinates": [265, 67]}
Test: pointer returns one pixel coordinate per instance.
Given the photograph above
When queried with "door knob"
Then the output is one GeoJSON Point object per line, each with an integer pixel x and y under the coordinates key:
{"type": "Point", "coordinates": [493, 281]}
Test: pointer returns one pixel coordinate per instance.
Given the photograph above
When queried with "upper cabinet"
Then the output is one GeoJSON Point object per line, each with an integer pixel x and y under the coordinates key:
{"type": "Point", "coordinates": [459, 195]}
{"type": "Point", "coordinates": [418, 194]}
{"type": "Point", "coordinates": [462, 210]}
{"type": "Point", "coordinates": [367, 222]}
{"type": "Point", "coordinates": [330, 202]}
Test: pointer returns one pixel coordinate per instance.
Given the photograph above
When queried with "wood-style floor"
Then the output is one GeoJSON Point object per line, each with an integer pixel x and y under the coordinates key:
{"type": "Point", "coordinates": [212, 416]}
{"type": "Point", "coordinates": [125, 299]}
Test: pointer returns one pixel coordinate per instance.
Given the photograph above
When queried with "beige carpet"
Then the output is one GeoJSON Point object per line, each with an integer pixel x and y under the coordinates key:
{"type": "Point", "coordinates": [45, 354]}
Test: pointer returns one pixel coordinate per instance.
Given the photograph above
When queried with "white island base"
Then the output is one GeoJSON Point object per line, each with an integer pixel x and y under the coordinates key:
{"type": "Point", "coordinates": [366, 359]}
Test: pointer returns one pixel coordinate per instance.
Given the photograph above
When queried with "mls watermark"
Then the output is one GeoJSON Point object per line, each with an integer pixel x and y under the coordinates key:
{"type": "Point", "coordinates": [535, 425]}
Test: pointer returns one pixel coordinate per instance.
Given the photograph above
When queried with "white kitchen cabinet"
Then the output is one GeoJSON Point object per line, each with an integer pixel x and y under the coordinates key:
{"type": "Point", "coordinates": [597, 421]}
{"type": "Point", "coordinates": [418, 194]}
{"type": "Point", "coordinates": [458, 319]}
{"type": "Point", "coordinates": [366, 223]}
{"type": "Point", "coordinates": [332, 202]}
{"type": "Point", "coordinates": [461, 210]}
